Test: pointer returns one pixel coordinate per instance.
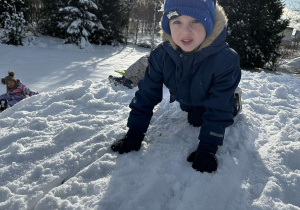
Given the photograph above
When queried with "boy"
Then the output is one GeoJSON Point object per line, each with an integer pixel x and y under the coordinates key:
{"type": "Point", "coordinates": [201, 73]}
{"type": "Point", "coordinates": [15, 91]}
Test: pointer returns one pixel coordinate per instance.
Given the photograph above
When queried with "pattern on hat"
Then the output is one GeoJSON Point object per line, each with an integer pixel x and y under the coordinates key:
{"type": "Point", "coordinates": [202, 10]}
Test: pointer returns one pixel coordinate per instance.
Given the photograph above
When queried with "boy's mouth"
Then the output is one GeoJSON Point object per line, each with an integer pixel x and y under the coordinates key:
{"type": "Point", "coordinates": [186, 41]}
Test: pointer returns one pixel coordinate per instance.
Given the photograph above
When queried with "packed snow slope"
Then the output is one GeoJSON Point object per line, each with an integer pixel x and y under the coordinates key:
{"type": "Point", "coordinates": [55, 147]}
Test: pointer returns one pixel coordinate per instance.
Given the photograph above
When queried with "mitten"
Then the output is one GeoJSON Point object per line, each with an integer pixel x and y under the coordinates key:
{"type": "Point", "coordinates": [132, 141]}
{"type": "Point", "coordinates": [195, 116]}
{"type": "Point", "coordinates": [3, 104]}
{"type": "Point", "coordinates": [204, 159]}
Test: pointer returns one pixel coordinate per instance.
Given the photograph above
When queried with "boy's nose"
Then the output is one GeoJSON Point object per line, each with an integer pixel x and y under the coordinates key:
{"type": "Point", "coordinates": [186, 29]}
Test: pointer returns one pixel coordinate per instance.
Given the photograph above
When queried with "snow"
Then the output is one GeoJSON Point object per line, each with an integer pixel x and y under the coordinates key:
{"type": "Point", "coordinates": [55, 147]}
{"type": "Point", "coordinates": [70, 9]}
{"type": "Point", "coordinates": [89, 3]}
{"type": "Point", "coordinates": [291, 66]}
{"type": "Point", "coordinates": [293, 15]}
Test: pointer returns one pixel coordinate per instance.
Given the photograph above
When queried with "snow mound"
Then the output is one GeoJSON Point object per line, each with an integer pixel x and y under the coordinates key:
{"type": "Point", "coordinates": [55, 152]}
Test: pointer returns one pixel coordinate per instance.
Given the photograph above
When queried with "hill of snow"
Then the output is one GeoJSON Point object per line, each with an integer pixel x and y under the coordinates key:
{"type": "Point", "coordinates": [55, 147]}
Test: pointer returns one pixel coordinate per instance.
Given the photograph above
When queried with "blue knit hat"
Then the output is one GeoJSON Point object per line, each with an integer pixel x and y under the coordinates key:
{"type": "Point", "coordinates": [202, 10]}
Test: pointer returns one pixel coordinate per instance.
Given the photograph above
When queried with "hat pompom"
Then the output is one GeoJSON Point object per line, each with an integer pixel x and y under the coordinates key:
{"type": "Point", "coordinates": [11, 73]}
{"type": "Point", "coordinates": [10, 77]}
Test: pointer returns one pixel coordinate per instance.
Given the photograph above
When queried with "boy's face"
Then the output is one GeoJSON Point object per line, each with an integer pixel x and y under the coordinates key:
{"type": "Point", "coordinates": [187, 32]}
{"type": "Point", "coordinates": [10, 84]}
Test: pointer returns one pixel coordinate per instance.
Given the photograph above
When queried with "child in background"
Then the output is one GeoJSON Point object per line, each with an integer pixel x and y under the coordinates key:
{"type": "Point", "coordinates": [201, 72]}
{"type": "Point", "coordinates": [15, 91]}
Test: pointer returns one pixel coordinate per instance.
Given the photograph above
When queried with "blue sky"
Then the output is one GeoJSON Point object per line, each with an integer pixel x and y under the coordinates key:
{"type": "Point", "coordinates": [292, 4]}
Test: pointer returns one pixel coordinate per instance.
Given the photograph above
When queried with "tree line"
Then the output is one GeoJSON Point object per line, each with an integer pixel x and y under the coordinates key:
{"type": "Point", "coordinates": [254, 27]}
{"type": "Point", "coordinates": [76, 21]}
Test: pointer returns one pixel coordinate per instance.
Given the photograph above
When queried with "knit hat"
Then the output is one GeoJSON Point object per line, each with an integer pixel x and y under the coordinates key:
{"type": "Point", "coordinates": [202, 10]}
{"type": "Point", "coordinates": [10, 77]}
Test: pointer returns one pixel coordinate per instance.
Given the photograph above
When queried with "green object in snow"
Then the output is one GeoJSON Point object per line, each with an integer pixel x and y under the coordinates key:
{"type": "Point", "coordinates": [122, 72]}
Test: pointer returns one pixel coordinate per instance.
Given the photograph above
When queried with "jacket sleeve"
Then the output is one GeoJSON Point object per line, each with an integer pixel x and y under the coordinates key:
{"type": "Point", "coordinates": [3, 96]}
{"type": "Point", "coordinates": [149, 95]}
{"type": "Point", "coordinates": [27, 91]}
{"type": "Point", "coordinates": [219, 105]}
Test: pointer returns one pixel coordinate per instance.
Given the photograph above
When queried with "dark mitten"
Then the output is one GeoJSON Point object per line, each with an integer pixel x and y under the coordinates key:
{"type": "Point", "coordinates": [192, 156]}
{"type": "Point", "coordinates": [205, 147]}
{"type": "Point", "coordinates": [205, 162]}
{"type": "Point", "coordinates": [132, 141]}
{"type": "Point", "coordinates": [204, 159]}
{"type": "Point", "coordinates": [3, 104]}
{"type": "Point", "coordinates": [195, 116]}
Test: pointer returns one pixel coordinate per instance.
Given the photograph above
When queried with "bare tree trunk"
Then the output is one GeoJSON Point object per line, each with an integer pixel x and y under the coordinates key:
{"type": "Point", "coordinates": [154, 25]}
{"type": "Point", "coordinates": [127, 28]}
{"type": "Point", "coordinates": [143, 27]}
{"type": "Point", "coordinates": [136, 31]}
{"type": "Point", "coordinates": [129, 8]}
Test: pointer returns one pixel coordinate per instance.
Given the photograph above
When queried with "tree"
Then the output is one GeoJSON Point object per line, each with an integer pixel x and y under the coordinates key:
{"type": "Point", "coordinates": [12, 20]}
{"type": "Point", "coordinates": [157, 6]}
{"type": "Point", "coordinates": [143, 19]}
{"type": "Point", "coordinates": [254, 30]}
{"type": "Point", "coordinates": [112, 15]}
{"type": "Point", "coordinates": [32, 12]}
{"type": "Point", "coordinates": [49, 17]}
{"type": "Point", "coordinates": [128, 6]}
{"type": "Point", "coordinates": [79, 21]}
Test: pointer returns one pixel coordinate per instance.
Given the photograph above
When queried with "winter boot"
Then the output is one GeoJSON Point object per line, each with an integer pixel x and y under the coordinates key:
{"type": "Point", "coordinates": [237, 102]}
{"type": "Point", "coordinates": [121, 80]}
{"type": "Point", "coordinates": [3, 104]}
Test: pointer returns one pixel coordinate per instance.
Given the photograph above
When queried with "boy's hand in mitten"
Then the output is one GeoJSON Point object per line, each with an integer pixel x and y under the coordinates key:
{"type": "Point", "coordinates": [132, 141]}
{"type": "Point", "coordinates": [204, 159]}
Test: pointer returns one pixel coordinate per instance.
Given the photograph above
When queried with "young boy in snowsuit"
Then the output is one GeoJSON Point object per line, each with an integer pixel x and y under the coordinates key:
{"type": "Point", "coordinates": [201, 73]}
{"type": "Point", "coordinates": [15, 91]}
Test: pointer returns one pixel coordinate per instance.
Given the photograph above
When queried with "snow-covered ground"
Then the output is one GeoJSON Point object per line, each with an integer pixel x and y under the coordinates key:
{"type": "Point", "coordinates": [291, 66]}
{"type": "Point", "coordinates": [293, 14]}
{"type": "Point", "coordinates": [55, 147]}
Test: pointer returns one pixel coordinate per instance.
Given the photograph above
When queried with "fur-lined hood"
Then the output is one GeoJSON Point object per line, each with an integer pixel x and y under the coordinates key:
{"type": "Point", "coordinates": [219, 24]}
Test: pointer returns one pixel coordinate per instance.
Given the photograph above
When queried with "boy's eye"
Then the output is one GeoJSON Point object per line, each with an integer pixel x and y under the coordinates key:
{"type": "Point", "coordinates": [176, 22]}
{"type": "Point", "coordinates": [196, 21]}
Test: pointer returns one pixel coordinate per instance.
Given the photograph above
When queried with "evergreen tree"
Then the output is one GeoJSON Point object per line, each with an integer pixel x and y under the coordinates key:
{"type": "Point", "coordinates": [112, 14]}
{"type": "Point", "coordinates": [12, 20]}
{"type": "Point", "coordinates": [32, 12]}
{"type": "Point", "coordinates": [79, 21]}
{"type": "Point", "coordinates": [254, 30]}
{"type": "Point", "coordinates": [50, 17]}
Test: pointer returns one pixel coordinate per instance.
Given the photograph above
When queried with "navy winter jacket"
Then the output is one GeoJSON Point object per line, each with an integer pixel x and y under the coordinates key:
{"type": "Point", "coordinates": [206, 78]}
